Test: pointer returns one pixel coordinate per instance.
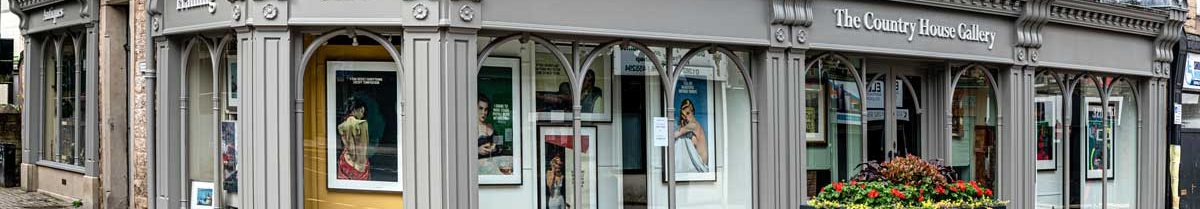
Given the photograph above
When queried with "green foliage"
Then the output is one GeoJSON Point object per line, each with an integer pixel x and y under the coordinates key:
{"type": "Point", "coordinates": [77, 204]}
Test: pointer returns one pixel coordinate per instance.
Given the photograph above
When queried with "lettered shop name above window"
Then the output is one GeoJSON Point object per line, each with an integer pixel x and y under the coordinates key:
{"type": "Point", "coordinates": [52, 14]}
{"type": "Point", "coordinates": [919, 27]}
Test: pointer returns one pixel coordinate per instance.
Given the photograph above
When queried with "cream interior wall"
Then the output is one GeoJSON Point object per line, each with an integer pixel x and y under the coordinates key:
{"type": "Point", "coordinates": [200, 130]}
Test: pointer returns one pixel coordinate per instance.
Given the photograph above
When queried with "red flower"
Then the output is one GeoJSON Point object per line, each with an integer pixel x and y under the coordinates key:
{"type": "Point", "coordinates": [897, 193]}
{"type": "Point", "coordinates": [837, 187]}
{"type": "Point", "coordinates": [862, 186]}
{"type": "Point", "coordinates": [939, 190]}
{"type": "Point", "coordinates": [987, 192]}
{"type": "Point", "coordinates": [962, 186]}
{"type": "Point", "coordinates": [852, 182]}
{"type": "Point", "coordinates": [822, 189]}
{"type": "Point", "coordinates": [974, 185]}
{"type": "Point", "coordinates": [980, 192]}
{"type": "Point", "coordinates": [921, 198]}
{"type": "Point", "coordinates": [872, 193]}
{"type": "Point", "coordinates": [953, 189]}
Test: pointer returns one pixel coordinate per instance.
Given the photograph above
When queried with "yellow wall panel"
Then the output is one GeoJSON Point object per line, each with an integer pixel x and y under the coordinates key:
{"type": "Point", "coordinates": [316, 194]}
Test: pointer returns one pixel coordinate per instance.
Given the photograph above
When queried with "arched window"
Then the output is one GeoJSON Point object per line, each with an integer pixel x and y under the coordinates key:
{"type": "Point", "coordinates": [1049, 124]}
{"type": "Point", "coordinates": [834, 113]}
{"type": "Point", "coordinates": [974, 126]}
{"type": "Point", "coordinates": [64, 139]}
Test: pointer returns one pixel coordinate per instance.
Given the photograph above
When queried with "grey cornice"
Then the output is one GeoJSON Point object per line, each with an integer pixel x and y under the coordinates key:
{"type": "Point", "coordinates": [31, 4]}
{"type": "Point", "coordinates": [996, 7]}
{"type": "Point", "coordinates": [1114, 17]}
{"type": "Point", "coordinates": [1142, 21]}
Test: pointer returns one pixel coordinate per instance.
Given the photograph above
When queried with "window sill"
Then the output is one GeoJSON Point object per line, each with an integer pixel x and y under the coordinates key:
{"type": "Point", "coordinates": [61, 166]}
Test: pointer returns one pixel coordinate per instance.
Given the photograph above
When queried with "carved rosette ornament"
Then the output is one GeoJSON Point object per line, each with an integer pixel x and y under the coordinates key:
{"type": "Point", "coordinates": [270, 12]}
{"type": "Point", "coordinates": [420, 11]}
{"type": "Point", "coordinates": [780, 36]}
{"type": "Point", "coordinates": [237, 12]}
{"type": "Point", "coordinates": [212, 7]}
{"type": "Point", "coordinates": [466, 13]}
{"type": "Point", "coordinates": [801, 35]}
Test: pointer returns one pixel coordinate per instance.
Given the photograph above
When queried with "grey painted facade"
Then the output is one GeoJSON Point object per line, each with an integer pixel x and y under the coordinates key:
{"type": "Point", "coordinates": [438, 58]}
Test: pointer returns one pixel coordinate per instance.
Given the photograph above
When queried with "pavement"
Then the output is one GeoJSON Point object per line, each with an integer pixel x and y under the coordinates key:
{"type": "Point", "coordinates": [15, 198]}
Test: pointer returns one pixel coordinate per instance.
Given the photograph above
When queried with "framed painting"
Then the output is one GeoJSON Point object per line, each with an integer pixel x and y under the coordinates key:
{"type": "Point", "coordinates": [1099, 131]}
{"type": "Point", "coordinates": [557, 157]}
{"type": "Point", "coordinates": [202, 195]}
{"type": "Point", "coordinates": [499, 138]}
{"type": "Point", "coordinates": [692, 135]}
{"type": "Point", "coordinates": [552, 90]}
{"type": "Point", "coordinates": [1047, 122]}
{"type": "Point", "coordinates": [229, 155]}
{"type": "Point", "coordinates": [362, 110]}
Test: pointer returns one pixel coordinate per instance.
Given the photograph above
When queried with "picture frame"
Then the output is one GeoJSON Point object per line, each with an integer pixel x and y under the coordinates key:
{"type": "Point", "coordinates": [552, 93]}
{"type": "Point", "coordinates": [815, 114]}
{"type": "Point", "coordinates": [232, 100]}
{"type": "Point", "coordinates": [695, 97]}
{"type": "Point", "coordinates": [229, 155]}
{"type": "Point", "coordinates": [363, 126]}
{"type": "Point", "coordinates": [556, 141]}
{"type": "Point", "coordinates": [202, 195]}
{"type": "Point", "coordinates": [1047, 122]}
{"type": "Point", "coordinates": [1098, 128]}
{"type": "Point", "coordinates": [500, 89]}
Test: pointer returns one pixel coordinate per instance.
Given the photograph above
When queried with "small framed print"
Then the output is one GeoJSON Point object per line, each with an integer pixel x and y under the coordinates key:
{"type": "Point", "coordinates": [499, 137]}
{"type": "Point", "coordinates": [1100, 130]}
{"type": "Point", "coordinates": [557, 157]}
{"type": "Point", "coordinates": [202, 195]}
{"type": "Point", "coordinates": [553, 91]}
{"type": "Point", "coordinates": [229, 155]}
{"type": "Point", "coordinates": [1047, 123]}
{"type": "Point", "coordinates": [231, 83]}
{"type": "Point", "coordinates": [363, 149]}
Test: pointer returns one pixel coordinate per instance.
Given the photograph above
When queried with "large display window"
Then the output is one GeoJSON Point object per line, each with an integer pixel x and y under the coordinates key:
{"type": "Point", "coordinates": [834, 113]}
{"type": "Point", "coordinates": [65, 100]}
{"type": "Point", "coordinates": [210, 147]}
{"type": "Point", "coordinates": [534, 153]}
{"type": "Point", "coordinates": [1049, 124]}
{"type": "Point", "coordinates": [973, 133]}
{"type": "Point", "coordinates": [352, 138]}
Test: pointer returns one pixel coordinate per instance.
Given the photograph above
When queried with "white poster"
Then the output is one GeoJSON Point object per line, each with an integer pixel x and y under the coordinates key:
{"type": "Point", "coordinates": [1191, 72]}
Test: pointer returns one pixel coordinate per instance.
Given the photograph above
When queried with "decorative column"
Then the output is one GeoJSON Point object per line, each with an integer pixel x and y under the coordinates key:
{"type": "Point", "coordinates": [779, 160]}
{"type": "Point", "coordinates": [1015, 94]}
{"type": "Point", "coordinates": [1153, 109]}
{"type": "Point", "coordinates": [168, 193]}
{"type": "Point", "coordinates": [270, 163]}
{"type": "Point", "coordinates": [438, 91]}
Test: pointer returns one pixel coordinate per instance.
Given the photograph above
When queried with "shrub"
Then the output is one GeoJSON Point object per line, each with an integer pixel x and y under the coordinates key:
{"type": "Point", "coordinates": [905, 182]}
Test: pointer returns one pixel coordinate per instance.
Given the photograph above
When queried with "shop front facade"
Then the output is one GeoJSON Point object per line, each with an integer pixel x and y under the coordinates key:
{"type": "Point", "coordinates": [625, 104]}
{"type": "Point", "coordinates": [72, 101]}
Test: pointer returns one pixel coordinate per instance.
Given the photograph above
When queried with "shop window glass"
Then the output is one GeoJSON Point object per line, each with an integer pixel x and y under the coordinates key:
{"type": "Point", "coordinates": [834, 117]}
{"type": "Point", "coordinates": [227, 127]}
{"type": "Point", "coordinates": [200, 130]}
{"type": "Point", "coordinates": [64, 139]}
{"type": "Point", "coordinates": [1191, 110]}
{"type": "Point", "coordinates": [1048, 125]}
{"type": "Point", "coordinates": [973, 130]}
{"type": "Point", "coordinates": [1113, 147]}
{"type": "Point", "coordinates": [352, 136]}
{"type": "Point", "coordinates": [1085, 187]}
{"type": "Point", "coordinates": [710, 132]}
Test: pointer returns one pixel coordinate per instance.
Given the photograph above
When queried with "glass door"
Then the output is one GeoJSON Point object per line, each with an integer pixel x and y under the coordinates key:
{"type": "Point", "coordinates": [893, 111]}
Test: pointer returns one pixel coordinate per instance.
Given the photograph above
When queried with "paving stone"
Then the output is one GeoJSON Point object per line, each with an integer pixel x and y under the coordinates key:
{"type": "Point", "coordinates": [14, 198]}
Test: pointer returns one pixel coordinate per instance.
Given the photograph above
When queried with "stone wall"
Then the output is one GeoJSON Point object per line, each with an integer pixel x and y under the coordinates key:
{"type": "Point", "coordinates": [137, 115]}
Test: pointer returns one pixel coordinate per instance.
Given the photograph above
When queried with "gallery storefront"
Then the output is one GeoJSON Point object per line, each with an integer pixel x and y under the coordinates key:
{"type": "Point", "coordinates": [375, 104]}
{"type": "Point", "coordinates": [60, 136]}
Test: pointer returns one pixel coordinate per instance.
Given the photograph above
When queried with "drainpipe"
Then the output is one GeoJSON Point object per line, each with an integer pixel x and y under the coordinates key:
{"type": "Point", "coordinates": [149, 75]}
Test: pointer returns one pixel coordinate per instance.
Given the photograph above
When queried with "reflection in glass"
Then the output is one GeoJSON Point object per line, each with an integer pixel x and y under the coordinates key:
{"type": "Point", "coordinates": [1048, 122]}
{"type": "Point", "coordinates": [834, 117]}
{"type": "Point", "coordinates": [973, 130]}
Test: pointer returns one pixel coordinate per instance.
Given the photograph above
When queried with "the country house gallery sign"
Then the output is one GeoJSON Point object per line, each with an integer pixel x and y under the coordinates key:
{"type": "Point", "coordinates": [913, 28]}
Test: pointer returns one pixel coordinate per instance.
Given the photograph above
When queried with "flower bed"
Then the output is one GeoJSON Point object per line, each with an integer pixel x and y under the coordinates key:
{"type": "Point", "coordinates": [905, 182]}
